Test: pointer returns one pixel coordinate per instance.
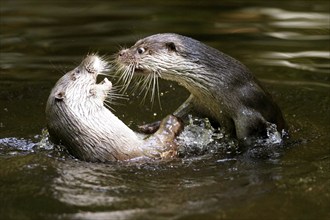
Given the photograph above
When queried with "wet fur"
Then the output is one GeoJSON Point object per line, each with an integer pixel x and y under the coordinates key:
{"type": "Point", "coordinates": [77, 118]}
{"type": "Point", "coordinates": [221, 87]}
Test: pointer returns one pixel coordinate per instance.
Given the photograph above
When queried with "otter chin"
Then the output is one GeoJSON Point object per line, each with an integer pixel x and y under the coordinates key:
{"type": "Point", "coordinates": [221, 87]}
{"type": "Point", "coordinates": [78, 119]}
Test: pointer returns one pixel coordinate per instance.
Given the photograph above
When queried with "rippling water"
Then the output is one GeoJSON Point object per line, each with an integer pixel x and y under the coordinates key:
{"type": "Point", "coordinates": [286, 45]}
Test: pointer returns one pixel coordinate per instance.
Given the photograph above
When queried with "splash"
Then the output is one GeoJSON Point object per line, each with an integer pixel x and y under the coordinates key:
{"type": "Point", "coordinates": [270, 147]}
{"type": "Point", "coordinates": [44, 142]}
{"type": "Point", "coordinates": [15, 145]}
{"type": "Point", "coordinates": [273, 137]}
{"type": "Point", "coordinates": [199, 137]}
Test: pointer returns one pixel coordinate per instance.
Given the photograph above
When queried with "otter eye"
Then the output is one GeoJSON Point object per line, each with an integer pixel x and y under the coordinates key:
{"type": "Point", "coordinates": [141, 50]}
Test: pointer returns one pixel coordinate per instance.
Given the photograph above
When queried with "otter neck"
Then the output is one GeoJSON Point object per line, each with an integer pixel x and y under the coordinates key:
{"type": "Point", "coordinates": [197, 86]}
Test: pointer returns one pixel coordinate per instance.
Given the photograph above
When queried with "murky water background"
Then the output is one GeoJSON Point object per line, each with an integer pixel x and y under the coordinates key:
{"type": "Point", "coordinates": [286, 45]}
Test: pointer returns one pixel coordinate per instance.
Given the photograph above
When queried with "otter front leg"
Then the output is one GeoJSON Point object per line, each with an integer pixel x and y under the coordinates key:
{"type": "Point", "coordinates": [181, 112]}
{"type": "Point", "coordinates": [185, 108]}
{"type": "Point", "coordinates": [250, 125]}
{"type": "Point", "coordinates": [162, 143]}
{"type": "Point", "coordinates": [149, 128]}
{"type": "Point", "coordinates": [99, 92]}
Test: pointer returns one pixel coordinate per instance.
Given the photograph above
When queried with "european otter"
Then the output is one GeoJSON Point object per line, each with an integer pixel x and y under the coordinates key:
{"type": "Point", "coordinates": [78, 119]}
{"type": "Point", "coordinates": [221, 87]}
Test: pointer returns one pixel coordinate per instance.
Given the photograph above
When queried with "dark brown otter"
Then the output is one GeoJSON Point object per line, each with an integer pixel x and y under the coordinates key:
{"type": "Point", "coordinates": [78, 119]}
{"type": "Point", "coordinates": [221, 87]}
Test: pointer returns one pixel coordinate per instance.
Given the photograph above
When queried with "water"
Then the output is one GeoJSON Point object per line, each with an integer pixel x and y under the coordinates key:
{"type": "Point", "coordinates": [286, 45]}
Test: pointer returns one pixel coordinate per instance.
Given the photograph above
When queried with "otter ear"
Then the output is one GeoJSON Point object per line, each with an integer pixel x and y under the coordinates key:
{"type": "Point", "coordinates": [59, 96]}
{"type": "Point", "coordinates": [171, 46]}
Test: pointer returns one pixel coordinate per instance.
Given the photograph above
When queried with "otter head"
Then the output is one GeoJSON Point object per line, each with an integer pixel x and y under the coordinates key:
{"type": "Point", "coordinates": [169, 56]}
{"type": "Point", "coordinates": [160, 54]}
{"type": "Point", "coordinates": [154, 54]}
{"type": "Point", "coordinates": [79, 85]}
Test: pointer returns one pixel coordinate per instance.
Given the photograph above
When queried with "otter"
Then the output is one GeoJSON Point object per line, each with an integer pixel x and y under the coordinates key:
{"type": "Point", "coordinates": [78, 119]}
{"type": "Point", "coordinates": [221, 87]}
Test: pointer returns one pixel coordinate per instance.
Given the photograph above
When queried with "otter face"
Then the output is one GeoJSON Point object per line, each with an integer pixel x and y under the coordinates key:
{"type": "Point", "coordinates": [169, 56]}
{"type": "Point", "coordinates": [161, 54]}
{"type": "Point", "coordinates": [79, 85]}
{"type": "Point", "coordinates": [94, 64]}
{"type": "Point", "coordinates": [148, 56]}
{"type": "Point", "coordinates": [89, 68]}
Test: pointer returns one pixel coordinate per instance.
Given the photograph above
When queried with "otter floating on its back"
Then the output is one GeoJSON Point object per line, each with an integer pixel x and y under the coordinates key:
{"type": "Point", "coordinates": [77, 119]}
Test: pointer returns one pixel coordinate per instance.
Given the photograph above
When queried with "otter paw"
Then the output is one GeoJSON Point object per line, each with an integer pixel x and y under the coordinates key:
{"type": "Point", "coordinates": [149, 128]}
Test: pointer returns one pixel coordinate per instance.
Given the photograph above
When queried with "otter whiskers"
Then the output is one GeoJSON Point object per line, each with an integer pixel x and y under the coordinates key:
{"type": "Point", "coordinates": [126, 76]}
{"type": "Point", "coordinates": [114, 95]}
{"type": "Point", "coordinates": [148, 85]}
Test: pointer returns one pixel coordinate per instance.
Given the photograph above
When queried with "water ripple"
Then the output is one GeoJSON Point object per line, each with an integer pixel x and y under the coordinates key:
{"type": "Point", "coordinates": [277, 23]}
{"type": "Point", "coordinates": [289, 35]}
{"type": "Point", "coordinates": [314, 61]}
{"type": "Point", "coordinates": [276, 55]}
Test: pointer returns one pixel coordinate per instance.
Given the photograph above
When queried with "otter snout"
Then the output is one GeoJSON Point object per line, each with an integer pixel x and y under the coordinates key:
{"type": "Point", "coordinates": [122, 52]}
{"type": "Point", "coordinates": [126, 57]}
{"type": "Point", "coordinates": [94, 64]}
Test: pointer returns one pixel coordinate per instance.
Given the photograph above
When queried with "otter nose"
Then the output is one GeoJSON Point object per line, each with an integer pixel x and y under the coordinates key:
{"type": "Point", "coordinates": [122, 52]}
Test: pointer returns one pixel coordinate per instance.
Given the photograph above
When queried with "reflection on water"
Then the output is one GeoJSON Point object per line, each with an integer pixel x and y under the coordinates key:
{"type": "Point", "coordinates": [296, 20]}
{"type": "Point", "coordinates": [286, 35]}
{"type": "Point", "coordinates": [146, 191]}
{"type": "Point", "coordinates": [123, 214]}
{"type": "Point", "coordinates": [287, 25]}
{"type": "Point", "coordinates": [305, 60]}
{"type": "Point", "coordinates": [281, 14]}
{"type": "Point", "coordinates": [302, 23]}
{"type": "Point", "coordinates": [285, 44]}
{"type": "Point", "coordinates": [82, 185]}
